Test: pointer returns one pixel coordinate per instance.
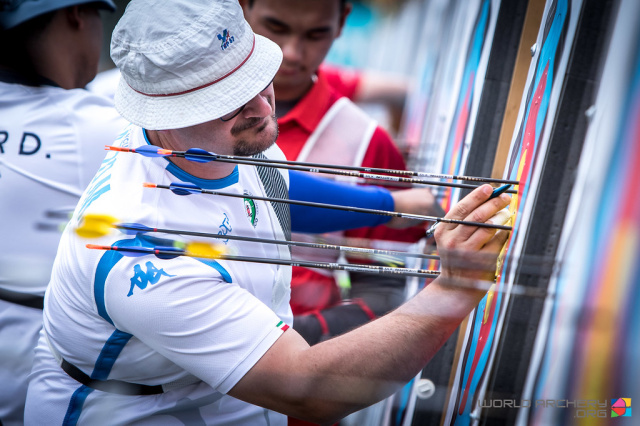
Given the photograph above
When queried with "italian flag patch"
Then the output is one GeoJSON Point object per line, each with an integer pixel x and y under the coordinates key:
{"type": "Point", "coordinates": [282, 326]}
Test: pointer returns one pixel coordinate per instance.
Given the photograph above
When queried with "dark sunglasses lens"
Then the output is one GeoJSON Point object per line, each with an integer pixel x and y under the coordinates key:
{"type": "Point", "coordinates": [232, 114]}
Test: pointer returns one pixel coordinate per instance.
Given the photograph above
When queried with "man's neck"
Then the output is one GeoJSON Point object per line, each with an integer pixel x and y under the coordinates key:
{"type": "Point", "coordinates": [291, 93]}
{"type": "Point", "coordinates": [25, 78]}
{"type": "Point", "coordinates": [288, 97]}
{"type": "Point", "coordinates": [283, 107]}
{"type": "Point", "coordinates": [211, 170]}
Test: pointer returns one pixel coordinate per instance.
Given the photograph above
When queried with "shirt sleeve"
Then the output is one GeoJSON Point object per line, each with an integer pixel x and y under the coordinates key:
{"type": "Point", "coordinates": [305, 187]}
{"type": "Point", "coordinates": [182, 309]}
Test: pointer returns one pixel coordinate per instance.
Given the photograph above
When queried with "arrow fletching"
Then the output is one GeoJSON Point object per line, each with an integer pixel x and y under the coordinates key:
{"type": "Point", "coordinates": [195, 249]}
{"type": "Point", "coordinates": [118, 148]}
{"type": "Point", "coordinates": [133, 228]}
{"type": "Point", "coordinates": [205, 250]}
{"type": "Point", "coordinates": [177, 188]}
{"type": "Point", "coordinates": [95, 225]}
{"type": "Point", "coordinates": [145, 150]}
{"type": "Point", "coordinates": [151, 151]}
{"type": "Point", "coordinates": [199, 155]}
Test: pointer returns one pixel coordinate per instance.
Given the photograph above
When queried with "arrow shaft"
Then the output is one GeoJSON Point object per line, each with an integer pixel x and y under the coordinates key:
{"type": "Point", "coordinates": [364, 170]}
{"type": "Point", "coordinates": [337, 207]}
{"type": "Point", "coordinates": [347, 249]}
{"type": "Point", "coordinates": [373, 269]}
{"type": "Point", "coordinates": [376, 269]}
{"type": "Point", "coordinates": [354, 174]}
{"type": "Point", "coordinates": [307, 166]}
{"type": "Point", "coordinates": [515, 289]}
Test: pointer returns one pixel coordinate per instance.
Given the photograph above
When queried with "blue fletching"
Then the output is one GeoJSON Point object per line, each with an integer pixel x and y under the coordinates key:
{"type": "Point", "coordinates": [177, 252]}
{"type": "Point", "coordinates": [138, 228]}
{"type": "Point", "coordinates": [199, 155]}
{"type": "Point", "coordinates": [184, 188]}
{"type": "Point", "coordinates": [149, 151]}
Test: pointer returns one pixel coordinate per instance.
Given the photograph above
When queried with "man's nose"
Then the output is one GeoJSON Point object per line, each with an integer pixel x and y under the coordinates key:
{"type": "Point", "coordinates": [292, 50]}
{"type": "Point", "coordinates": [261, 105]}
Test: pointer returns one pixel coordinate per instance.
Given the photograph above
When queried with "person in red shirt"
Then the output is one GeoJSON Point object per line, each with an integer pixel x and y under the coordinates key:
{"type": "Point", "coordinates": [318, 124]}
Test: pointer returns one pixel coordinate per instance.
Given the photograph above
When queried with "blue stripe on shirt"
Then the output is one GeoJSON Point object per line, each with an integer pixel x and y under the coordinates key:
{"type": "Point", "coordinates": [107, 358]}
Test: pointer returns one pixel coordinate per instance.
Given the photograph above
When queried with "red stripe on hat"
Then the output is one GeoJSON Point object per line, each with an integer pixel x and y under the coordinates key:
{"type": "Point", "coordinates": [204, 85]}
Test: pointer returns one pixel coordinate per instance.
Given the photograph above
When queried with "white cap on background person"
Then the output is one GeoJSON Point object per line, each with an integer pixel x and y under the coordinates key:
{"type": "Point", "coordinates": [16, 12]}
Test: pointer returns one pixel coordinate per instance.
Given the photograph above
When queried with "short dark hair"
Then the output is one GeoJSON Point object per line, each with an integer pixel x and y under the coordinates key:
{"type": "Point", "coordinates": [13, 42]}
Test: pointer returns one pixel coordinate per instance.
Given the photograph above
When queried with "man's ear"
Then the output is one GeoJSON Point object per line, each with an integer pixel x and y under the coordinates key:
{"type": "Point", "coordinates": [346, 10]}
{"type": "Point", "coordinates": [74, 16]}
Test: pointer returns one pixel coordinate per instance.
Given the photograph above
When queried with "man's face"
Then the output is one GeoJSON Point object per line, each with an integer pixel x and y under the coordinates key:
{"type": "Point", "coordinates": [304, 30]}
{"type": "Point", "coordinates": [252, 131]}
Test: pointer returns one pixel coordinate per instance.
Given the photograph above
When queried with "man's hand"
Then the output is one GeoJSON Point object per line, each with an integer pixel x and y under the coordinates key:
{"type": "Point", "coordinates": [470, 252]}
{"type": "Point", "coordinates": [414, 201]}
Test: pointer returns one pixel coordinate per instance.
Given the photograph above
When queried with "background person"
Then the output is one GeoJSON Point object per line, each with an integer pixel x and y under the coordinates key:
{"type": "Point", "coordinates": [52, 134]}
{"type": "Point", "coordinates": [317, 124]}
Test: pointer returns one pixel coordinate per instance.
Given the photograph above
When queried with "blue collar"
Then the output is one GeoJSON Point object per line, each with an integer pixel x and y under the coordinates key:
{"type": "Point", "coordinates": [224, 182]}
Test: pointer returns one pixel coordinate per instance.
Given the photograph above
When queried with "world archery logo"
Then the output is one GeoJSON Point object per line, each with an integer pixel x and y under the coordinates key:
{"type": "Point", "coordinates": [141, 278]}
{"type": "Point", "coordinates": [251, 209]}
{"type": "Point", "coordinates": [621, 407]}
{"type": "Point", "coordinates": [226, 39]}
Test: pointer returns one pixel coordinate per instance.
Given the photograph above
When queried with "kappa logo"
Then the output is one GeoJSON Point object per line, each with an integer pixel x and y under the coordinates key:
{"type": "Point", "coordinates": [141, 278]}
{"type": "Point", "coordinates": [251, 209]}
{"type": "Point", "coordinates": [226, 39]}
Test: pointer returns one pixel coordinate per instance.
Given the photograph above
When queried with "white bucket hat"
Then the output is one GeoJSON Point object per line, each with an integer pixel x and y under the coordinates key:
{"type": "Point", "coordinates": [186, 62]}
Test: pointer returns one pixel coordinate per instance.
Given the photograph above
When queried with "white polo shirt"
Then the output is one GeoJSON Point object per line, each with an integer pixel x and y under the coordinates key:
{"type": "Point", "coordinates": [163, 321]}
{"type": "Point", "coordinates": [51, 144]}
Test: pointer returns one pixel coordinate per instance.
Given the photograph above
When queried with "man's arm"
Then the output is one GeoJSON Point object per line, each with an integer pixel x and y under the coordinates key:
{"type": "Point", "coordinates": [305, 187]}
{"type": "Point", "coordinates": [325, 382]}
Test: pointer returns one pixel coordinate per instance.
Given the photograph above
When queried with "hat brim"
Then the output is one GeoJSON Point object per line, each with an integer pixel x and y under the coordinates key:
{"type": "Point", "coordinates": [206, 104]}
{"type": "Point", "coordinates": [28, 10]}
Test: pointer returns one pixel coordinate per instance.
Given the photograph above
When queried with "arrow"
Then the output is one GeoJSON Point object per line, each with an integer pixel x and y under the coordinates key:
{"type": "Point", "coordinates": [201, 156]}
{"type": "Point", "coordinates": [194, 249]}
{"type": "Point", "coordinates": [188, 189]}
{"type": "Point", "coordinates": [201, 251]}
{"type": "Point", "coordinates": [94, 226]}
{"type": "Point", "coordinates": [87, 229]}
